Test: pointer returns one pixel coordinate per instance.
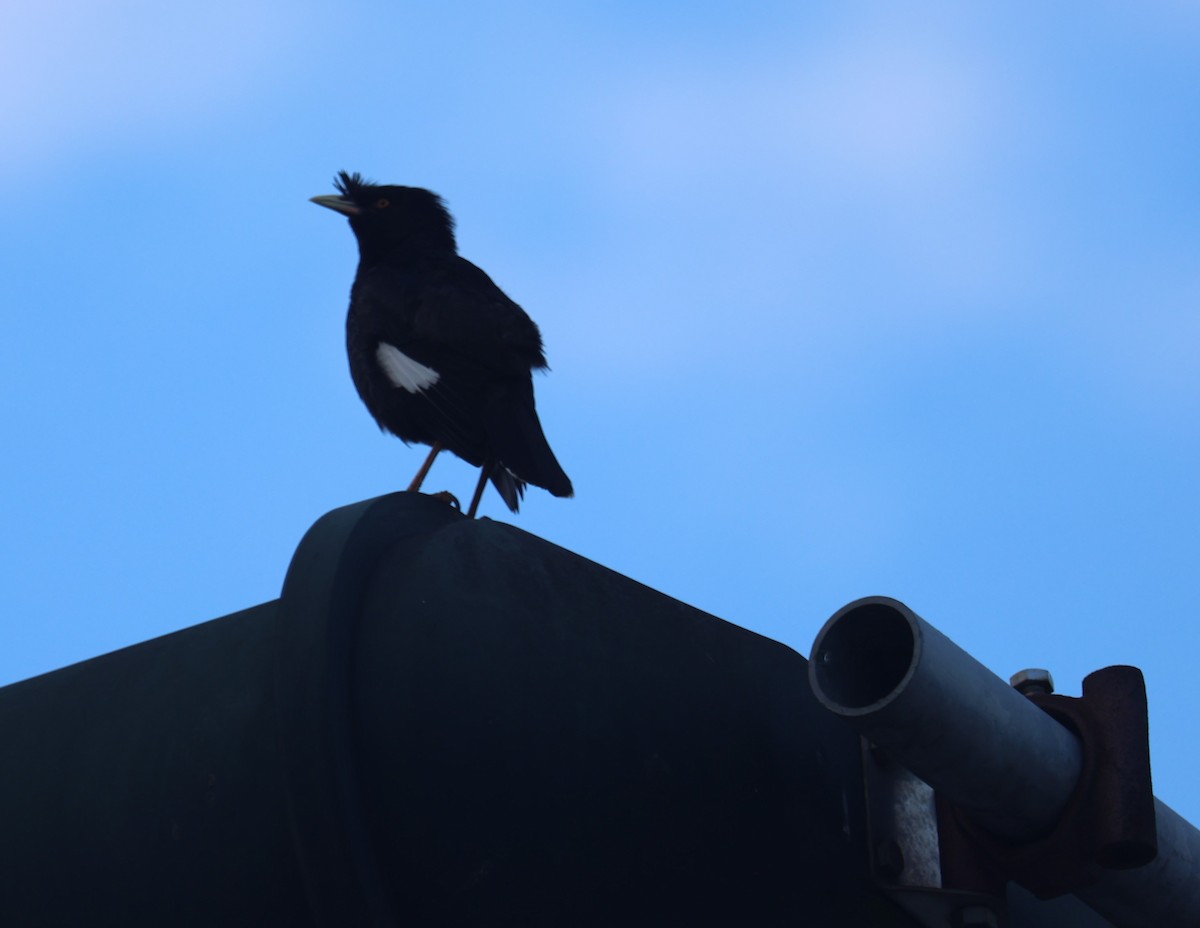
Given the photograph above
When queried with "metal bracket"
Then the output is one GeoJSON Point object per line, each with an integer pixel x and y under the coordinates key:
{"type": "Point", "coordinates": [905, 852]}
{"type": "Point", "coordinates": [1109, 821]}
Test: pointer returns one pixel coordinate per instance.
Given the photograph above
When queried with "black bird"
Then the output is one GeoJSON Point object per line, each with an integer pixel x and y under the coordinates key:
{"type": "Point", "coordinates": [439, 354]}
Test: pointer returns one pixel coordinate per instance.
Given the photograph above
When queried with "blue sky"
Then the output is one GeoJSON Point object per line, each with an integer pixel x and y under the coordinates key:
{"type": "Point", "coordinates": [840, 299]}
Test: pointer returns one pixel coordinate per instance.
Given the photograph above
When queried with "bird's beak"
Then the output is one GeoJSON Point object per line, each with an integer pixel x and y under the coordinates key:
{"type": "Point", "coordinates": [337, 204]}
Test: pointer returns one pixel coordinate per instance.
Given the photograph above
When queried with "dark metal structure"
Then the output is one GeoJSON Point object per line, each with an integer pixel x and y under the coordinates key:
{"type": "Point", "coordinates": [1050, 791]}
{"type": "Point", "coordinates": [440, 722]}
{"type": "Point", "coordinates": [449, 722]}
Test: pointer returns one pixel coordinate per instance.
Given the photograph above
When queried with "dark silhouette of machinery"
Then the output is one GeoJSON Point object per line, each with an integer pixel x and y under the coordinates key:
{"type": "Point", "coordinates": [449, 722]}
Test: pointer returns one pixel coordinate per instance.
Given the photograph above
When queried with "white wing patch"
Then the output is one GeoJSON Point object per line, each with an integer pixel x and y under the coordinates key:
{"type": "Point", "coordinates": [403, 371]}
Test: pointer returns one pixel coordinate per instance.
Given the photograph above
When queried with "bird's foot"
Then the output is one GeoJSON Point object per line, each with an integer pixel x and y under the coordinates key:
{"type": "Point", "coordinates": [448, 498]}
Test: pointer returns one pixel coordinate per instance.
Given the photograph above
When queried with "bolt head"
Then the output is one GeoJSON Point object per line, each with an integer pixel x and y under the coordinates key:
{"type": "Point", "coordinates": [1032, 680]}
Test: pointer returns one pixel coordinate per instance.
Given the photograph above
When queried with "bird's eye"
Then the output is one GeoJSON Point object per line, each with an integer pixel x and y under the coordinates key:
{"type": "Point", "coordinates": [382, 203]}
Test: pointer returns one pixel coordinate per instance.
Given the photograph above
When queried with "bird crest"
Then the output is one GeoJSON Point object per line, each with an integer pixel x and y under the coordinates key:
{"type": "Point", "coordinates": [348, 185]}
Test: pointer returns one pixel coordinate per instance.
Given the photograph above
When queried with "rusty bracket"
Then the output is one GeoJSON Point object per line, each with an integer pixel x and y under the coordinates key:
{"type": "Point", "coordinates": [1107, 824]}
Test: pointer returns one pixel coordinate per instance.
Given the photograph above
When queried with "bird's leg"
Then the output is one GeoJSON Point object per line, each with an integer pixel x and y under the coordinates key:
{"type": "Point", "coordinates": [420, 478]}
{"type": "Point", "coordinates": [484, 473]}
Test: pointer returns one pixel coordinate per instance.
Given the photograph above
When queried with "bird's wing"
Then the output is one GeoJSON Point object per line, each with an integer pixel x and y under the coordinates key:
{"type": "Point", "coordinates": [462, 308]}
{"type": "Point", "coordinates": [455, 338]}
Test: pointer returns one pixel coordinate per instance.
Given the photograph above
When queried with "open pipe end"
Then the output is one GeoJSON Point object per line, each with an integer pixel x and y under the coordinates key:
{"type": "Point", "coordinates": [864, 655]}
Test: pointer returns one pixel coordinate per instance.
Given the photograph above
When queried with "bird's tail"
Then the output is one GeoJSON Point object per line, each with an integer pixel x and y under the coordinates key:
{"type": "Point", "coordinates": [522, 453]}
{"type": "Point", "coordinates": [510, 488]}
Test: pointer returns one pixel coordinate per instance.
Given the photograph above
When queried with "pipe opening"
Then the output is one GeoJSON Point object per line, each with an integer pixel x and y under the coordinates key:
{"type": "Point", "coordinates": [863, 655]}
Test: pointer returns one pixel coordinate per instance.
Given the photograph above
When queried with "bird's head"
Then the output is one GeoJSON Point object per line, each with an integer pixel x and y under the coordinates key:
{"type": "Point", "coordinates": [388, 218]}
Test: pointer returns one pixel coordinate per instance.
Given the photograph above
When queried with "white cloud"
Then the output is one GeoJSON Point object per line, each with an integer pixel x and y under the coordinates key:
{"type": "Point", "coordinates": [888, 182]}
{"type": "Point", "coordinates": [882, 142]}
{"type": "Point", "coordinates": [884, 110]}
{"type": "Point", "coordinates": [890, 112]}
{"type": "Point", "coordinates": [74, 74]}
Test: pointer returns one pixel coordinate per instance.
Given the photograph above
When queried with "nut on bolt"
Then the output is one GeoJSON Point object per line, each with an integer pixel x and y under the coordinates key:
{"type": "Point", "coordinates": [1032, 681]}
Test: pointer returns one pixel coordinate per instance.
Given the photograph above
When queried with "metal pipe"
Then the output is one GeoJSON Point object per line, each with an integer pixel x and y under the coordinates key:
{"type": "Point", "coordinates": [1163, 894]}
{"type": "Point", "coordinates": [911, 690]}
{"type": "Point", "coordinates": [906, 687]}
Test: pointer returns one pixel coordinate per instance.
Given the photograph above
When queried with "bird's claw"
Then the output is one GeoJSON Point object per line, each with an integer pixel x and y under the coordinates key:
{"type": "Point", "coordinates": [447, 497]}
